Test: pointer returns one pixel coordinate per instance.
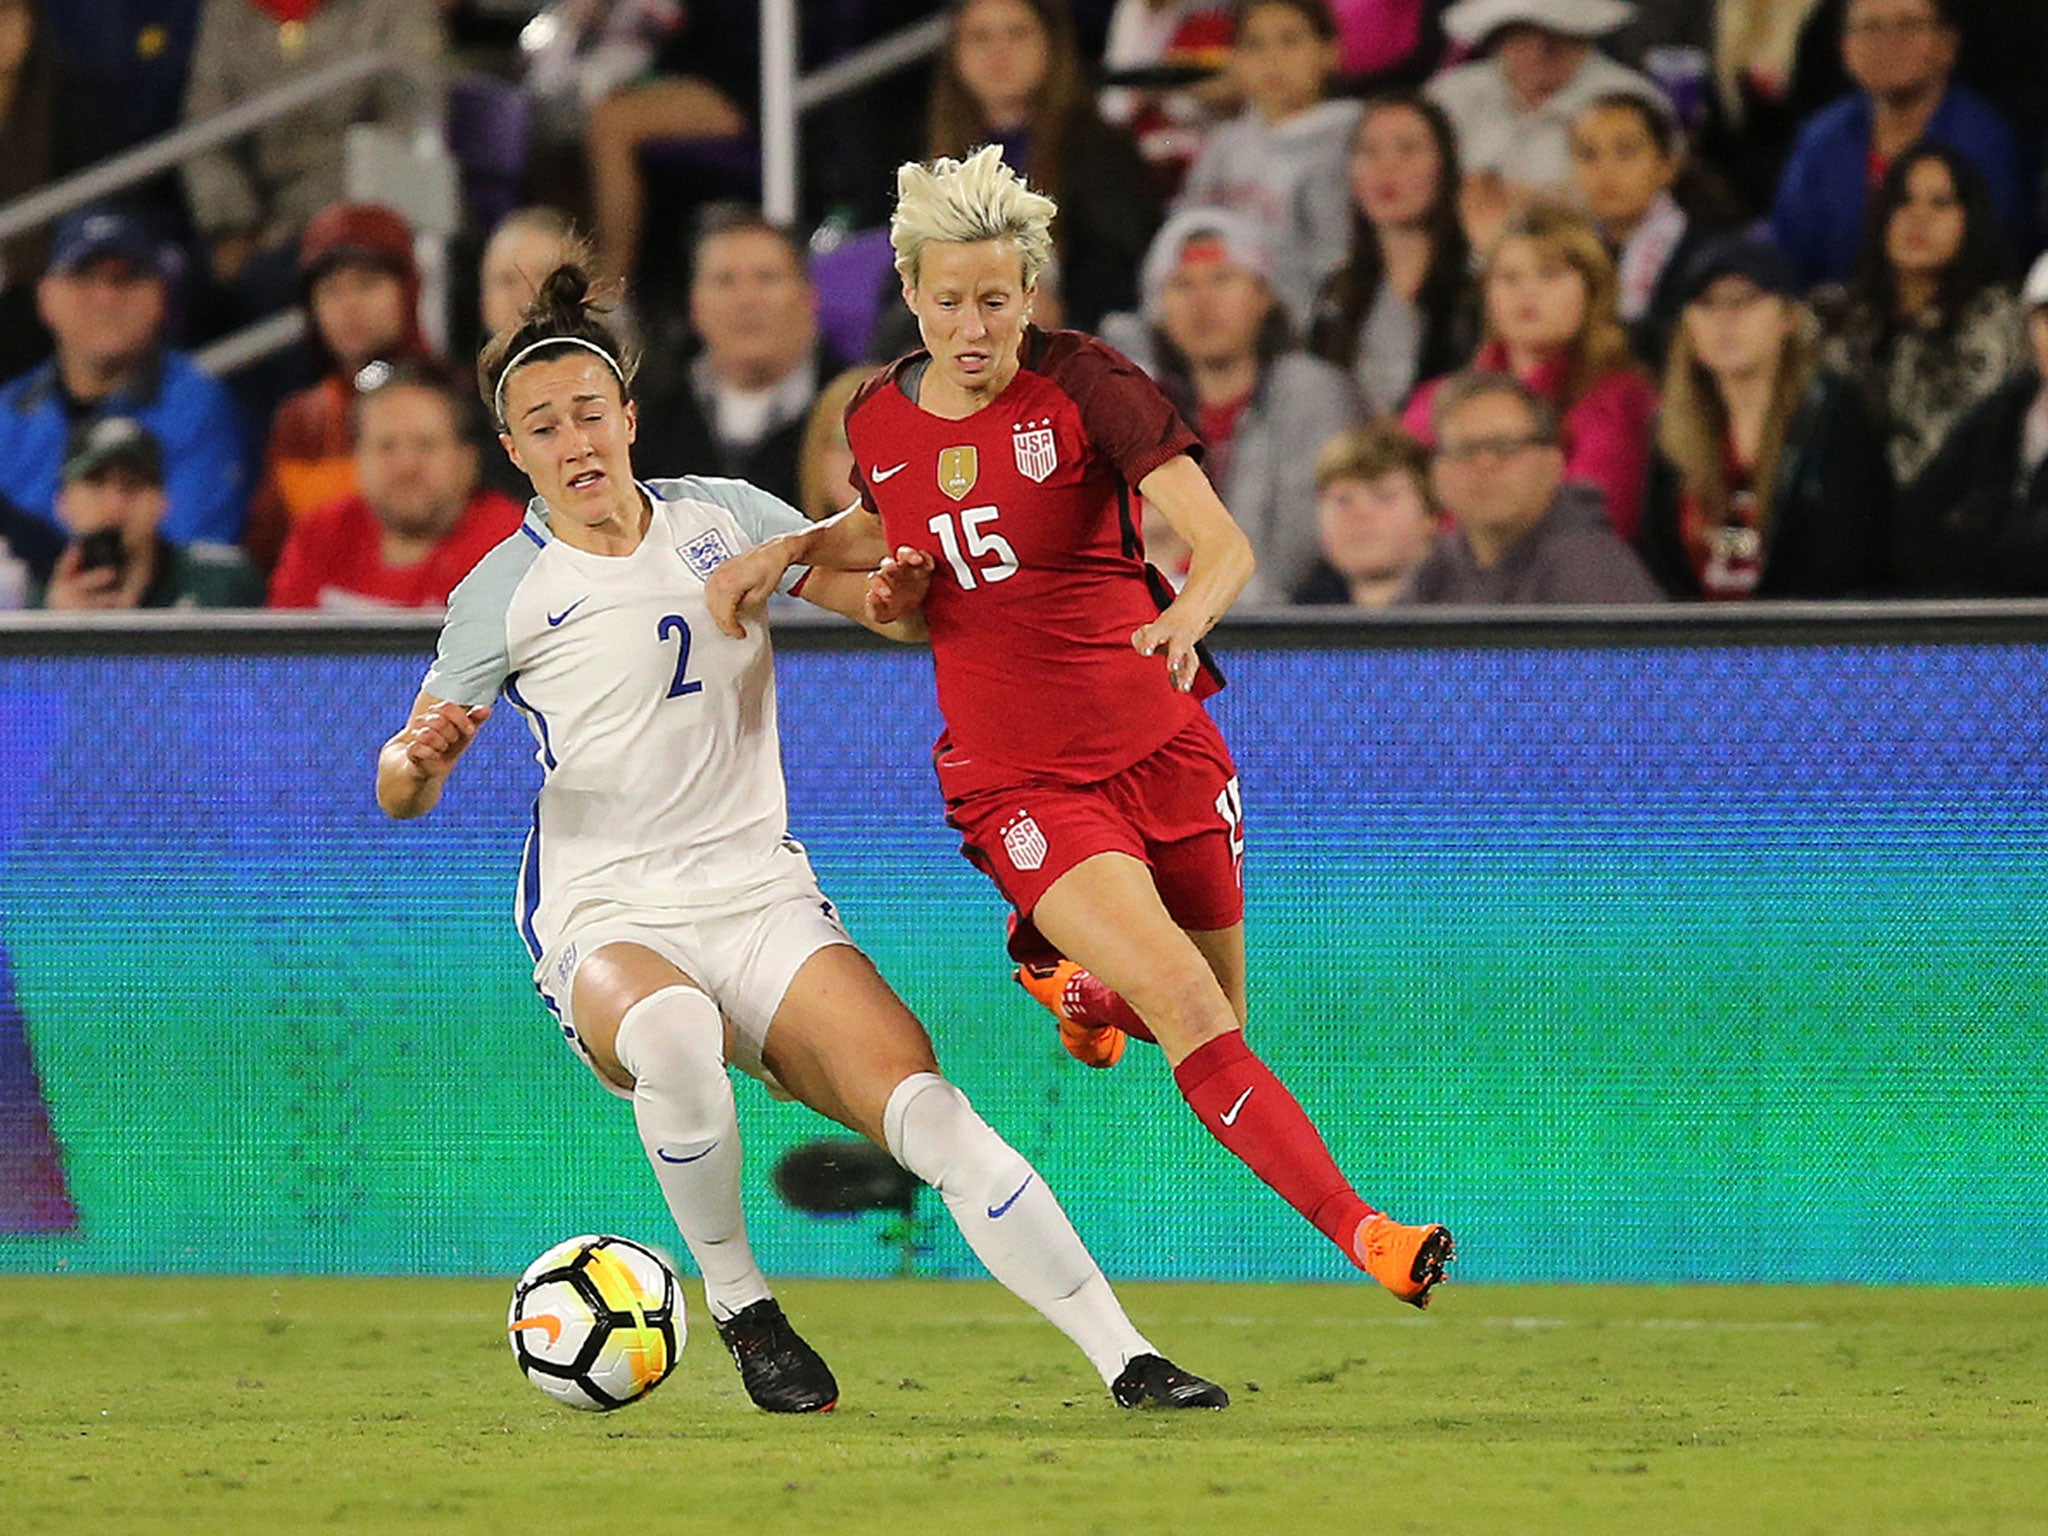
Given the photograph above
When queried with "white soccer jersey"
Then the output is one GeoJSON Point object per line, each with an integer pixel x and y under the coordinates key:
{"type": "Point", "coordinates": [654, 730]}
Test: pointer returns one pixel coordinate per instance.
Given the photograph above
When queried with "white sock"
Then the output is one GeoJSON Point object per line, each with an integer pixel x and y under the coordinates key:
{"type": "Point", "coordinates": [673, 1042]}
{"type": "Point", "coordinates": [1010, 1219]}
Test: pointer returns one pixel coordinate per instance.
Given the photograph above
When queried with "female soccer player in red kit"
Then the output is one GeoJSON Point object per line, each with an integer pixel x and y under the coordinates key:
{"type": "Point", "coordinates": [1084, 777]}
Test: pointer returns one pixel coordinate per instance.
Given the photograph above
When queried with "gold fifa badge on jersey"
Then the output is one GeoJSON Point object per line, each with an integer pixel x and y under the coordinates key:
{"type": "Point", "coordinates": [1038, 455]}
{"type": "Point", "coordinates": [959, 468]}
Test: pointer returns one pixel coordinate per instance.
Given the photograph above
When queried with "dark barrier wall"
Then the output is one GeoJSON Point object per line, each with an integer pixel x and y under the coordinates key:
{"type": "Point", "coordinates": [1636, 952]}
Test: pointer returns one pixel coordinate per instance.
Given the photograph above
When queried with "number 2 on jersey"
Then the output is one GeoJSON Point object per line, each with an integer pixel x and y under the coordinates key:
{"type": "Point", "coordinates": [979, 545]}
{"type": "Point", "coordinates": [672, 624]}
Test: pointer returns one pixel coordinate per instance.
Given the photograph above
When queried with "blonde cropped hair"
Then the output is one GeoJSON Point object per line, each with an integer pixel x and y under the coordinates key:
{"type": "Point", "coordinates": [960, 202]}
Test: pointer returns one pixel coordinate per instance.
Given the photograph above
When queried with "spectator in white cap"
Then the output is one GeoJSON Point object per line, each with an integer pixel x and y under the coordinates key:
{"type": "Point", "coordinates": [1217, 340]}
{"type": "Point", "coordinates": [1975, 522]}
{"type": "Point", "coordinates": [1514, 107]}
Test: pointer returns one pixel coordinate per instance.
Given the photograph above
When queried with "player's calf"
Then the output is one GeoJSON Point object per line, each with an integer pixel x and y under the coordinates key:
{"type": "Point", "coordinates": [1016, 1227]}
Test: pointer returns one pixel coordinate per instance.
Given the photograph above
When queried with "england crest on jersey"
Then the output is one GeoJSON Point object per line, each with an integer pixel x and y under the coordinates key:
{"type": "Point", "coordinates": [1037, 454]}
{"type": "Point", "coordinates": [705, 553]}
{"type": "Point", "coordinates": [1023, 842]}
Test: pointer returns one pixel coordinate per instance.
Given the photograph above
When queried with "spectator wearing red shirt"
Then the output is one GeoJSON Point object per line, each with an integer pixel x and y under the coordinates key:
{"type": "Point", "coordinates": [1552, 321]}
{"type": "Point", "coordinates": [361, 290]}
{"type": "Point", "coordinates": [418, 522]}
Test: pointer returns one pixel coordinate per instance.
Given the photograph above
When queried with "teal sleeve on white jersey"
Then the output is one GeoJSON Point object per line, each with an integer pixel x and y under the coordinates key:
{"type": "Point", "coordinates": [472, 658]}
{"type": "Point", "coordinates": [761, 515]}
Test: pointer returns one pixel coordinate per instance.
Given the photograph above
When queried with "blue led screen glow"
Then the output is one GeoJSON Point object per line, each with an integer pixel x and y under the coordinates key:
{"type": "Point", "coordinates": [1613, 957]}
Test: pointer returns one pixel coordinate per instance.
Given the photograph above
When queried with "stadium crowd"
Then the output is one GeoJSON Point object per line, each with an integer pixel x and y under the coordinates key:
{"type": "Point", "coordinates": [1488, 301]}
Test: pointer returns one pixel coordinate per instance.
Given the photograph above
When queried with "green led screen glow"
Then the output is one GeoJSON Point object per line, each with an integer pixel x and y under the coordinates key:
{"type": "Point", "coordinates": [1677, 962]}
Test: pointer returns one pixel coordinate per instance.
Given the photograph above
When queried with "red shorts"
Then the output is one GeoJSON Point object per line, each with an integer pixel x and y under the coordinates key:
{"type": "Point", "coordinates": [1178, 810]}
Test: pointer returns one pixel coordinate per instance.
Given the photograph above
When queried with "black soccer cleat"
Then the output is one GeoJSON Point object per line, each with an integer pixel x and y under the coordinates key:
{"type": "Point", "coordinates": [1151, 1381]}
{"type": "Point", "coordinates": [782, 1373]}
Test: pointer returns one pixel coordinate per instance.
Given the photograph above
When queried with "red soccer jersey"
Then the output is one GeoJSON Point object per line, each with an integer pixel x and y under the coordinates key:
{"type": "Point", "coordinates": [1026, 508]}
{"type": "Point", "coordinates": [333, 557]}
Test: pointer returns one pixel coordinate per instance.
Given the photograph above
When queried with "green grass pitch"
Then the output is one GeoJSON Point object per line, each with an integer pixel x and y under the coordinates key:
{"type": "Point", "coordinates": [285, 1406]}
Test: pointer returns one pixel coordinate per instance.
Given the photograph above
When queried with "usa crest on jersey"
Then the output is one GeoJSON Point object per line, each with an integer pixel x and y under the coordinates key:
{"type": "Point", "coordinates": [1024, 843]}
{"type": "Point", "coordinates": [1038, 455]}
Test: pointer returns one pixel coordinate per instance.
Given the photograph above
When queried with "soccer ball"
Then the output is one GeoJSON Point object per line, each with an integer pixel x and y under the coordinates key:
{"type": "Point", "coordinates": [597, 1322]}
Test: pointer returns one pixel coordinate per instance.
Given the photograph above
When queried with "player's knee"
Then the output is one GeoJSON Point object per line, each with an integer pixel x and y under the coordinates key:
{"type": "Point", "coordinates": [933, 1130]}
{"type": "Point", "coordinates": [1181, 1000]}
{"type": "Point", "coordinates": [921, 1120]}
{"type": "Point", "coordinates": [673, 1042]}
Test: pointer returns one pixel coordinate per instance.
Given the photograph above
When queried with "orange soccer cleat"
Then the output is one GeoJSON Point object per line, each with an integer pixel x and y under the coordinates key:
{"type": "Point", "coordinates": [1094, 1045]}
{"type": "Point", "coordinates": [1409, 1261]}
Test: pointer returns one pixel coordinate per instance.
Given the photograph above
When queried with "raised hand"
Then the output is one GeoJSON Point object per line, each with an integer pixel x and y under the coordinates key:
{"type": "Point", "coordinates": [898, 586]}
{"type": "Point", "coordinates": [743, 584]}
{"type": "Point", "coordinates": [1175, 633]}
{"type": "Point", "coordinates": [434, 738]}
{"type": "Point", "coordinates": [75, 585]}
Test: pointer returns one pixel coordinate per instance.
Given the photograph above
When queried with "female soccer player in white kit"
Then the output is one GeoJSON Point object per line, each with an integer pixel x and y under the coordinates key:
{"type": "Point", "coordinates": [674, 925]}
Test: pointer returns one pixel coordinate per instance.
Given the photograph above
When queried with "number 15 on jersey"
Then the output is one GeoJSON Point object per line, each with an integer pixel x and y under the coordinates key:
{"type": "Point", "coordinates": [969, 542]}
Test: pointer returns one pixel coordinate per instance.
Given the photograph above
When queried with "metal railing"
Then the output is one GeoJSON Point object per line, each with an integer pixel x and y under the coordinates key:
{"type": "Point", "coordinates": [131, 167]}
{"type": "Point", "coordinates": [119, 172]}
{"type": "Point", "coordinates": [786, 96]}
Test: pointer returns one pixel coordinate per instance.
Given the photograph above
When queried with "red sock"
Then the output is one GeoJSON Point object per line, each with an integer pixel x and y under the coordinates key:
{"type": "Point", "coordinates": [1244, 1106]}
{"type": "Point", "coordinates": [1090, 1000]}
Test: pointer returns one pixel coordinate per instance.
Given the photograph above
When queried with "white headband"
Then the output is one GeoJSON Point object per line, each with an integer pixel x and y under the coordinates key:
{"type": "Point", "coordinates": [498, 395]}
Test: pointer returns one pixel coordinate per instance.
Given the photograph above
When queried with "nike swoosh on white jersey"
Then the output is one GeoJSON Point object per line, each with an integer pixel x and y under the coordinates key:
{"type": "Point", "coordinates": [1230, 1114]}
{"type": "Point", "coordinates": [879, 475]}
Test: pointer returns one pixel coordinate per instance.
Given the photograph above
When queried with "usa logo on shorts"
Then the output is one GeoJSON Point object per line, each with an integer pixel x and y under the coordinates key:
{"type": "Point", "coordinates": [1023, 842]}
{"type": "Point", "coordinates": [1037, 454]}
{"type": "Point", "coordinates": [705, 553]}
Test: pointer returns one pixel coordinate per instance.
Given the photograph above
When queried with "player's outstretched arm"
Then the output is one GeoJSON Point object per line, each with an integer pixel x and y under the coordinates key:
{"type": "Point", "coordinates": [1219, 565]}
{"type": "Point", "coordinates": [889, 600]}
{"type": "Point", "coordinates": [896, 590]}
{"type": "Point", "coordinates": [414, 764]}
{"type": "Point", "coordinates": [852, 541]}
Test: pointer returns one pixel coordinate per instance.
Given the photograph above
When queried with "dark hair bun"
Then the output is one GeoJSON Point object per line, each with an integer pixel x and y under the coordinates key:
{"type": "Point", "coordinates": [564, 309]}
{"type": "Point", "coordinates": [563, 297]}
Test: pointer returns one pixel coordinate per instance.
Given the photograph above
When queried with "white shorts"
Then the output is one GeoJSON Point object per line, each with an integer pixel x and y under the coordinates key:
{"type": "Point", "coordinates": [744, 958]}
